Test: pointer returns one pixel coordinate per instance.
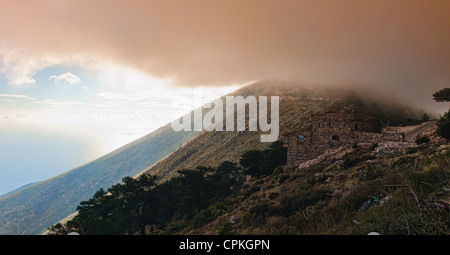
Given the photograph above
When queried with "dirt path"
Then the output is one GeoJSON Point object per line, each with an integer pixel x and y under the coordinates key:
{"type": "Point", "coordinates": [411, 135]}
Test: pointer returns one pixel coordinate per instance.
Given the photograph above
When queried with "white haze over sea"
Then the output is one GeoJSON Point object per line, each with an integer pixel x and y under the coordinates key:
{"type": "Point", "coordinates": [32, 153]}
{"type": "Point", "coordinates": [38, 143]}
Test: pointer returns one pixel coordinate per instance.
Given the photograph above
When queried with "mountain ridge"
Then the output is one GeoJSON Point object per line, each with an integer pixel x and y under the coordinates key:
{"type": "Point", "coordinates": [9, 193]}
{"type": "Point", "coordinates": [295, 100]}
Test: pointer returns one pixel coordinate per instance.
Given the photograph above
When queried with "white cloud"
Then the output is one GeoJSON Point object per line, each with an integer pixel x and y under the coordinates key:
{"type": "Point", "coordinates": [68, 77]}
{"type": "Point", "coordinates": [19, 68]}
{"type": "Point", "coordinates": [22, 81]}
{"type": "Point", "coordinates": [19, 65]}
{"type": "Point", "coordinates": [17, 96]}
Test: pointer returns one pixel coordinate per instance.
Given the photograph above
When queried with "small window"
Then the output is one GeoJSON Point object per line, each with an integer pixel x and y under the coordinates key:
{"type": "Point", "coordinates": [301, 139]}
{"type": "Point", "coordinates": [331, 124]}
{"type": "Point", "coordinates": [335, 138]}
{"type": "Point", "coordinates": [320, 124]}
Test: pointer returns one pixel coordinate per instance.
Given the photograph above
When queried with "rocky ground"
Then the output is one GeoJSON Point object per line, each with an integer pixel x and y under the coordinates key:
{"type": "Point", "coordinates": [388, 188]}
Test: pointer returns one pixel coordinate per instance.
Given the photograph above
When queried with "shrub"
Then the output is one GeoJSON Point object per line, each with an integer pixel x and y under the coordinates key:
{"type": "Point", "coordinates": [443, 124]}
{"type": "Point", "coordinates": [256, 214]}
{"type": "Point", "coordinates": [278, 170]}
{"type": "Point", "coordinates": [371, 173]}
{"type": "Point", "coordinates": [246, 219]}
{"type": "Point", "coordinates": [291, 203]}
{"type": "Point", "coordinates": [206, 215]}
{"type": "Point", "coordinates": [248, 192]}
{"type": "Point", "coordinates": [373, 146]}
{"type": "Point", "coordinates": [412, 150]}
{"type": "Point", "coordinates": [225, 229]}
{"type": "Point", "coordinates": [422, 139]}
{"type": "Point", "coordinates": [351, 161]}
{"type": "Point", "coordinates": [283, 178]}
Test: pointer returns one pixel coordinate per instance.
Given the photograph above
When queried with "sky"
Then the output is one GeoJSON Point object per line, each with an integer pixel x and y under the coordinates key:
{"type": "Point", "coordinates": [70, 115]}
{"type": "Point", "coordinates": [116, 70]}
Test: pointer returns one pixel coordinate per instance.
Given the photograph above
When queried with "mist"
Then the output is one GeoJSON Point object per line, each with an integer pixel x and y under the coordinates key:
{"type": "Point", "coordinates": [387, 44]}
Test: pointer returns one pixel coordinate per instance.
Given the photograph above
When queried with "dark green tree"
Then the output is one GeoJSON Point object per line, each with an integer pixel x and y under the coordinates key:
{"type": "Point", "coordinates": [194, 197]}
{"type": "Point", "coordinates": [442, 95]}
{"type": "Point", "coordinates": [94, 215]}
{"type": "Point", "coordinates": [251, 162]}
{"type": "Point", "coordinates": [140, 199]}
{"type": "Point", "coordinates": [262, 163]}
{"type": "Point", "coordinates": [228, 168]}
{"type": "Point", "coordinates": [443, 124]}
{"type": "Point", "coordinates": [188, 190]}
{"type": "Point", "coordinates": [124, 208]}
{"type": "Point", "coordinates": [275, 156]}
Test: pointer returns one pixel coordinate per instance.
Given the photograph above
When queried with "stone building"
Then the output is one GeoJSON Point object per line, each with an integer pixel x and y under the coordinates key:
{"type": "Point", "coordinates": [331, 130]}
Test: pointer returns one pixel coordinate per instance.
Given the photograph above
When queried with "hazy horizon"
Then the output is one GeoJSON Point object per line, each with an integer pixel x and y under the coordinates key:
{"type": "Point", "coordinates": [40, 144]}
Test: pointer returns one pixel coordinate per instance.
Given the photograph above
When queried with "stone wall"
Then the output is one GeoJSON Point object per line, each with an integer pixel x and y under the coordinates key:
{"type": "Point", "coordinates": [332, 130]}
{"type": "Point", "coordinates": [367, 137]}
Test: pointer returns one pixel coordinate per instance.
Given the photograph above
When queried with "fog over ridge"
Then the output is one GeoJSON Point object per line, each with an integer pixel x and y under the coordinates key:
{"type": "Point", "coordinates": [396, 44]}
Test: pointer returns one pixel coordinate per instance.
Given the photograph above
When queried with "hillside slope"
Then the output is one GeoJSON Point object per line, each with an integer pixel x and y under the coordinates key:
{"type": "Point", "coordinates": [325, 196]}
{"type": "Point", "coordinates": [18, 189]}
{"type": "Point", "coordinates": [297, 103]}
{"type": "Point", "coordinates": [33, 209]}
{"type": "Point", "coordinates": [390, 189]}
{"type": "Point", "coordinates": [195, 194]}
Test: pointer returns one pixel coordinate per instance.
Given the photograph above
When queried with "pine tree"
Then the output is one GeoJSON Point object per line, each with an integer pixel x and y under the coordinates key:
{"type": "Point", "coordinates": [442, 95]}
{"type": "Point", "coordinates": [443, 124]}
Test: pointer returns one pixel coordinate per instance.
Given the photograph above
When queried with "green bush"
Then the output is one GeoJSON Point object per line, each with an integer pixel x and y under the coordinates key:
{"type": "Point", "coordinates": [443, 124]}
{"type": "Point", "coordinates": [263, 163]}
{"type": "Point", "coordinates": [255, 215]}
{"type": "Point", "coordinates": [291, 203]}
{"type": "Point", "coordinates": [371, 173]}
{"type": "Point", "coordinates": [432, 180]}
{"type": "Point", "coordinates": [246, 219]}
{"type": "Point", "coordinates": [206, 215]}
{"type": "Point", "coordinates": [225, 229]}
{"type": "Point", "coordinates": [411, 150]}
{"type": "Point", "coordinates": [401, 215]}
{"type": "Point", "coordinates": [422, 139]}
{"type": "Point", "coordinates": [283, 177]}
{"type": "Point", "coordinates": [351, 161]}
{"type": "Point", "coordinates": [252, 190]}
{"type": "Point", "coordinates": [278, 170]}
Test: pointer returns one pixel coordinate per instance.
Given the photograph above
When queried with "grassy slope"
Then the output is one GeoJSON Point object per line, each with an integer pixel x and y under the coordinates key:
{"type": "Point", "coordinates": [18, 189]}
{"type": "Point", "coordinates": [297, 103]}
{"type": "Point", "coordinates": [212, 148]}
{"type": "Point", "coordinates": [324, 198]}
{"type": "Point", "coordinates": [33, 209]}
